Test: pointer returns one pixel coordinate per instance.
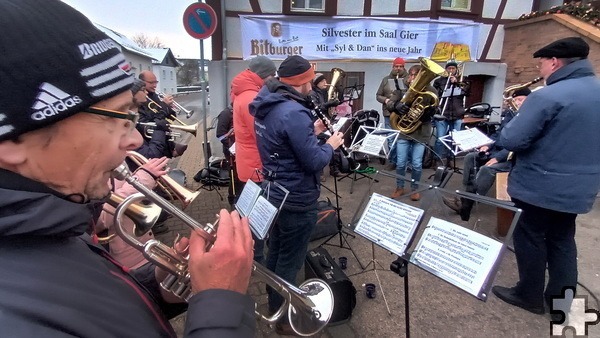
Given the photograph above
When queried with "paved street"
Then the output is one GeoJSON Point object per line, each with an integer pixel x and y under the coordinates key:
{"type": "Point", "coordinates": [437, 308]}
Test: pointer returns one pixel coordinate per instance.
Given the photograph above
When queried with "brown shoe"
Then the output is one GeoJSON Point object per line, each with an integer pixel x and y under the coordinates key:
{"type": "Point", "coordinates": [415, 196]}
{"type": "Point", "coordinates": [453, 203]}
{"type": "Point", "coordinates": [397, 193]}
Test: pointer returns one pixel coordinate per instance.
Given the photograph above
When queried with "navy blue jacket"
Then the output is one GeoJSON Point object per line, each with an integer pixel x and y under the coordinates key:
{"type": "Point", "coordinates": [283, 125]}
{"type": "Point", "coordinates": [556, 140]}
{"type": "Point", "coordinates": [54, 282]}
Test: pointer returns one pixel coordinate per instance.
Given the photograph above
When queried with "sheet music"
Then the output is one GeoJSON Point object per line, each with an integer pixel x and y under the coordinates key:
{"type": "Point", "coordinates": [458, 255]}
{"type": "Point", "coordinates": [247, 198]}
{"type": "Point", "coordinates": [232, 149]}
{"type": "Point", "coordinates": [388, 223]}
{"type": "Point", "coordinates": [372, 144]}
{"type": "Point", "coordinates": [339, 123]}
{"type": "Point", "coordinates": [452, 91]}
{"type": "Point", "coordinates": [470, 139]}
{"type": "Point", "coordinates": [262, 215]}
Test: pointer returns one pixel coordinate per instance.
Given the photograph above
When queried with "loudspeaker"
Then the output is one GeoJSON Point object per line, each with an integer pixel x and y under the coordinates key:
{"type": "Point", "coordinates": [319, 264]}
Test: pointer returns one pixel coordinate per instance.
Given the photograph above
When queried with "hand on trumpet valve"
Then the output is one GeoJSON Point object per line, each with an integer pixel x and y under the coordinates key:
{"type": "Point", "coordinates": [228, 264]}
{"type": "Point", "coordinates": [336, 140]}
{"type": "Point", "coordinates": [168, 99]}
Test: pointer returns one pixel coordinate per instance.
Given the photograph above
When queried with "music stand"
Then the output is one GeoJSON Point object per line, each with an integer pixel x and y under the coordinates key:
{"type": "Point", "coordinates": [448, 95]}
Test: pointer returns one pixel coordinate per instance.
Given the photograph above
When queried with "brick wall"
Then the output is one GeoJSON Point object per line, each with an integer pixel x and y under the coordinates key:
{"type": "Point", "coordinates": [523, 38]}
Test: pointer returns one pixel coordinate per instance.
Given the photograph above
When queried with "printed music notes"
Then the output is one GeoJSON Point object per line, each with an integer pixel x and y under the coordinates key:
{"type": "Point", "coordinates": [389, 223]}
{"type": "Point", "coordinates": [460, 256]}
{"type": "Point", "coordinates": [259, 211]}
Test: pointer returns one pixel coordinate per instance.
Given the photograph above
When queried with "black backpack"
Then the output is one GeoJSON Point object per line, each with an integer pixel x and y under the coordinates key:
{"type": "Point", "coordinates": [216, 173]}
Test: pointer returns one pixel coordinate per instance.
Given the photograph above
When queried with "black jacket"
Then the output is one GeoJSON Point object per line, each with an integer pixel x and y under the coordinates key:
{"type": "Point", "coordinates": [54, 282]}
{"type": "Point", "coordinates": [455, 108]}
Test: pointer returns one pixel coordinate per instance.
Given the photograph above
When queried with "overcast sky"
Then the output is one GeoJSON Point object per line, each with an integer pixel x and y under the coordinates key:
{"type": "Point", "coordinates": [155, 18]}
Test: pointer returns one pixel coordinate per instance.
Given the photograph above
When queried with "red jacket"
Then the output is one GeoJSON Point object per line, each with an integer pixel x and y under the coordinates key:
{"type": "Point", "coordinates": [244, 88]}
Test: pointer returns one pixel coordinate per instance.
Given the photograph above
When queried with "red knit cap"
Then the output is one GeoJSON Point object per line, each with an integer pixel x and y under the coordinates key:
{"type": "Point", "coordinates": [398, 61]}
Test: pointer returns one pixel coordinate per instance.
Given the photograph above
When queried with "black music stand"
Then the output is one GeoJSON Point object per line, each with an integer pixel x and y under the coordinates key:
{"type": "Point", "coordinates": [453, 89]}
{"type": "Point", "coordinates": [341, 232]}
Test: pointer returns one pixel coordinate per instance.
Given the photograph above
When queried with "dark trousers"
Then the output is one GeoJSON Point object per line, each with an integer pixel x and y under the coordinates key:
{"type": "Point", "coordinates": [288, 243]}
{"type": "Point", "coordinates": [544, 237]}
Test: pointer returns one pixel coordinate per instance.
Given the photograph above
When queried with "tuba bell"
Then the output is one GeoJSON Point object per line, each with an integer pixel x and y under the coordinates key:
{"type": "Point", "coordinates": [409, 122]}
{"type": "Point", "coordinates": [332, 93]}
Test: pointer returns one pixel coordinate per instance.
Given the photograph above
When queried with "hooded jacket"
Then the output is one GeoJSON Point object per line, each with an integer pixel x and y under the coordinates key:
{"type": "Point", "coordinates": [54, 282]}
{"type": "Point", "coordinates": [244, 88]}
{"type": "Point", "coordinates": [556, 142]}
{"type": "Point", "coordinates": [287, 144]}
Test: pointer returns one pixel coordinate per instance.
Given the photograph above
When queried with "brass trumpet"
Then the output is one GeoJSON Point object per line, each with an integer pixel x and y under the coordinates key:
{"type": "Point", "coordinates": [308, 307]}
{"type": "Point", "coordinates": [144, 215]}
{"type": "Point", "coordinates": [174, 128]}
{"type": "Point", "coordinates": [176, 106]}
{"type": "Point", "coordinates": [166, 183]}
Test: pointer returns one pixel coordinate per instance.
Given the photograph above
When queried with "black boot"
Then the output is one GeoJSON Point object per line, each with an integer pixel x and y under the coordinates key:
{"type": "Point", "coordinates": [465, 208]}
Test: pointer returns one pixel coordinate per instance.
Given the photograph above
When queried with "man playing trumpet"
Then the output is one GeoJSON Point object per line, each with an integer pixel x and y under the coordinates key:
{"type": "Point", "coordinates": [64, 128]}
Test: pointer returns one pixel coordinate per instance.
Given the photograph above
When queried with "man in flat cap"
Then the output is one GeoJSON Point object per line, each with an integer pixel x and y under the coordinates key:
{"type": "Point", "coordinates": [556, 174]}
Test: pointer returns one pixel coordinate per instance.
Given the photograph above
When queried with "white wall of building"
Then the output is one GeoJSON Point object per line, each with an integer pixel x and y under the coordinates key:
{"type": "Point", "coordinates": [167, 79]}
{"type": "Point", "coordinates": [137, 62]}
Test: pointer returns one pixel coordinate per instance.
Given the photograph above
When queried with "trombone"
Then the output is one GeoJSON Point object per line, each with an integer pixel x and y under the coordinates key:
{"type": "Point", "coordinates": [308, 307]}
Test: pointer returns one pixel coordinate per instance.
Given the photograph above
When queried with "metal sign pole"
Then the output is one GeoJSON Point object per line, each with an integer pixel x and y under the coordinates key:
{"type": "Point", "coordinates": [204, 113]}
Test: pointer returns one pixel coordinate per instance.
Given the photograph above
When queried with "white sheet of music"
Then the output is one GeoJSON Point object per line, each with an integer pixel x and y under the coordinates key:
{"type": "Point", "coordinates": [470, 139]}
{"type": "Point", "coordinates": [452, 91]}
{"type": "Point", "coordinates": [372, 144]}
{"type": "Point", "coordinates": [339, 123]}
{"type": "Point", "coordinates": [232, 149]}
{"type": "Point", "coordinates": [247, 198]}
{"type": "Point", "coordinates": [388, 223]}
{"type": "Point", "coordinates": [261, 216]}
{"type": "Point", "coordinates": [458, 255]}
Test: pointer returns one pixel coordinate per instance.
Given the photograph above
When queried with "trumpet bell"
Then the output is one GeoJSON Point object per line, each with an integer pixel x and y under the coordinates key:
{"type": "Point", "coordinates": [308, 320]}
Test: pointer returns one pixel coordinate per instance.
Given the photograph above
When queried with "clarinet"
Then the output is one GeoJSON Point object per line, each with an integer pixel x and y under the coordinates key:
{"type": "Point", "coordinates": [321, 115]}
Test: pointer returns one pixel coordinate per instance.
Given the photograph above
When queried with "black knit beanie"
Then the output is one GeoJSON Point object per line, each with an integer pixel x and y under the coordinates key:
{"type": "Point", "coordinates": [54, 64]}
{"type": "Point", "coordinates": [296, 71]}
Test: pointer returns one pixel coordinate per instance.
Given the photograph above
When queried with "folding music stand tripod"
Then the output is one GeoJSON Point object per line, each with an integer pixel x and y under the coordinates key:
{"type": "Point", "coordinates": [447, 98]}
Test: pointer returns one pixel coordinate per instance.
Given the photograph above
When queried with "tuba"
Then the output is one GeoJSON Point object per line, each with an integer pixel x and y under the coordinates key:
{"type": "Point", "coordinates": [332, 93]}
{"type": "Point", "coordinates": [508, 92]}
{"type": "Point", "coordinates": [409, 122]}
{"type": "Point", "coordinates": [308, 307]}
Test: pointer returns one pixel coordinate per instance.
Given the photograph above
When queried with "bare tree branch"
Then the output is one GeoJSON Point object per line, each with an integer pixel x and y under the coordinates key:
{"type": "Point", "coordinates": [145, 41]}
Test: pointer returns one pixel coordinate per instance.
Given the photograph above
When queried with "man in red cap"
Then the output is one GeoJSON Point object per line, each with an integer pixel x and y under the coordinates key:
{"type": "Point", "coordinates": [391, 90]}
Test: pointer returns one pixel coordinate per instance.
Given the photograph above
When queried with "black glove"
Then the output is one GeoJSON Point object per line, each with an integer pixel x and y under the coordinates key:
{"type": "Point", "coordinates": [401, 108]}
{"type": "Point", "coordinates": [161, 125]}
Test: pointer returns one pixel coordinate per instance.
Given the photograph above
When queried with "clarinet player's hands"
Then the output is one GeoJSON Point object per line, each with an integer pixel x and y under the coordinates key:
{"type": "Point", "coordinates": [228, 264]}
{"type": "Point", "coordinates": [319, 127]}
{"type": "Point", "coordinates": [336, 140]}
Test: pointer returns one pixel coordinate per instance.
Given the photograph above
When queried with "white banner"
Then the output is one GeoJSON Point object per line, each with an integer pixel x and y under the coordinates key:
{"type": "Point", "coordinates": [316, 38]}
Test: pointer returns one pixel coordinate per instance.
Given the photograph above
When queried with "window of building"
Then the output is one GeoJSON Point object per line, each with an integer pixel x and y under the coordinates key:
{"type": "Point", "coordinates": [457, 5]}
{"type": "Point", "coordinates": [308, 5]}
{"type": "Point", "coordinates": [171, 75]}
{"type": "Point", "coordinates": [164, 74]}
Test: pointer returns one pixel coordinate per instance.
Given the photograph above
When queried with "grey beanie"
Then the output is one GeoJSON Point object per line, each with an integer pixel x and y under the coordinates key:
{"type": "Point", "coordinates": [262, 66]}
{"type": "Point", "coordinates": [55, 64]}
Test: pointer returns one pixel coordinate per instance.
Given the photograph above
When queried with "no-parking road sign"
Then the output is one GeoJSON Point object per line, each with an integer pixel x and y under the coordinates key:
{"type": "Point", "coordinates": [200, 20]}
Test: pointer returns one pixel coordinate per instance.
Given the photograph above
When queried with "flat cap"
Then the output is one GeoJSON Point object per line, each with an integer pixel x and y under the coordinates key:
{"type": "Point", "coordinates": [564, 48]}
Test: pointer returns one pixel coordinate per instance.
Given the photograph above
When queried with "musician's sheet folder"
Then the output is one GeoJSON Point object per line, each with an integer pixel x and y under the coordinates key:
{"type": "Point", "coordinates": [389, 223]}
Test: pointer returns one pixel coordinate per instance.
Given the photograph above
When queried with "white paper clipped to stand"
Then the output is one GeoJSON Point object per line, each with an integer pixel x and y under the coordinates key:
{"type": "Point", "coordinates": [460, 256]}
{"type": "Point", "coordinates": [232, 149]}
{"type": "Point", "coordinates": [389, 223]}
{"type": "Point", "coordinates": [372, 144]}
{"type": "Point", "coordinates": [470, 139]}
{"type": "Point", "coordinates": [247, 198]}
{"type": "Point", "coordinates": [261, 216]}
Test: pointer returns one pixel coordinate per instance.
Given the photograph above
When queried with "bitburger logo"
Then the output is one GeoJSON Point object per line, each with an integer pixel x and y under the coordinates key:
{"type": "Point", "coordinates": [51, 101]}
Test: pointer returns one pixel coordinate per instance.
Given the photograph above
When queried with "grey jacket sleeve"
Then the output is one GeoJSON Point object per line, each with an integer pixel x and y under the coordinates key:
{"type": "Point", "coordinates": [220, 314]}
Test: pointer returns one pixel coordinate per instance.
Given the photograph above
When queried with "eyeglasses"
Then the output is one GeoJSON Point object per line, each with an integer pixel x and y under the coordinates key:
{"type": "Point", "coordinates": [151, 82]}
{"type": "Point", "coordinates": [129, 115]}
